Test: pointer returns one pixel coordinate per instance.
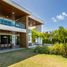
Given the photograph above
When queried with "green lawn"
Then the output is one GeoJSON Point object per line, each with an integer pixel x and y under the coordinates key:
{"type": "Point", "coordinates": [7, 59]}
{"type": "Point", "coordinates": [42, 60]}
{"type": "Point", "coordinates": [26, 58]}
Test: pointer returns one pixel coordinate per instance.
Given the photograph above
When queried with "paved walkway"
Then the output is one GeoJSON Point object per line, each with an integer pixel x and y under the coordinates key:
{"type": "Point", "coordinates": [9, 50]}
{"type": "Point", "coordinates": [33, 46]}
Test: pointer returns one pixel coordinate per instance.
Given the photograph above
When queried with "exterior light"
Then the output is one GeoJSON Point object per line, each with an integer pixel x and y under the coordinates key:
{"type": "Point", "coordinates": [7, 16]}
{"type": "Point", "coordinates": [5, 37]}
{"type": "Point", "coordinates": [13, 12]}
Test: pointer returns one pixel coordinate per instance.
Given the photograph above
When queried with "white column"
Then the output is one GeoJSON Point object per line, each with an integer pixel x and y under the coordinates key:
{"type": "Point", "coordinates": [14, 40]}
{"type": "Point", "coordinates": [30, 36]}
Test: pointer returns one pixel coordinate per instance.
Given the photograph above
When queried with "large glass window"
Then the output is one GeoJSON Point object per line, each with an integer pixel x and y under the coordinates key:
{"type": "Point", "coordinates": [12, 23]}
{"type": "Point", "coordinates": [20, 25]}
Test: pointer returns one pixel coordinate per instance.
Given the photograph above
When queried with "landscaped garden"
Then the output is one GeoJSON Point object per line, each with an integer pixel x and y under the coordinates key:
{"type": "Point", "coordinates": [54, 55]}
{"type": "Point", "coordinates": [51, 37]}
{"type": "Point", "coordinates": [56, 49]}
{"type": "Point", "coordinates": [42, 60]}
{"type": "Point", "coordinates": [27, 58]}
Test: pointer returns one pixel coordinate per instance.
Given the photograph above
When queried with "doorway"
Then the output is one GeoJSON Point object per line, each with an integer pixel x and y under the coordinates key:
{"type": "Point", "coordinates": [5, 39]}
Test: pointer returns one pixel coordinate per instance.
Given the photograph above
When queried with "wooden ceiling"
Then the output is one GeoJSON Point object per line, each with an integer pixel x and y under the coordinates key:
{"type": "Point", "coordinates": [7, 10]}
{"type": "Point", "coordinates": [33, 22]}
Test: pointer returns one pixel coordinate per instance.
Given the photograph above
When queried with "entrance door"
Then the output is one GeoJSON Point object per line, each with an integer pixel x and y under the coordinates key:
{"type": "Point", "coordinates": [5, 39]}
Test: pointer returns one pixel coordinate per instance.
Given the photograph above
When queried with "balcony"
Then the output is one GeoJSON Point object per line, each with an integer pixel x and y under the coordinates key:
{"type": "Point", "coordinates": [11, 23]}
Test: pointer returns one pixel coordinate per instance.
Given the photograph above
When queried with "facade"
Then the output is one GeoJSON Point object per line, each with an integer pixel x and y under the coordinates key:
{"type": "Point", "coordinates": [35, 23]}
{"type": "Point", "coordinates": [15, 25]}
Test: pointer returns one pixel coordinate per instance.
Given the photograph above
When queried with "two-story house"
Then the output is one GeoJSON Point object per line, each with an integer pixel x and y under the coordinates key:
{"type": "Point", "coordinates": [15, 21]}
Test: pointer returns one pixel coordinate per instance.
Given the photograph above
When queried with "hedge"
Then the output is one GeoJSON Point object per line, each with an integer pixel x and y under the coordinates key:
{"type": "Point", "coordinates": [57, 49]}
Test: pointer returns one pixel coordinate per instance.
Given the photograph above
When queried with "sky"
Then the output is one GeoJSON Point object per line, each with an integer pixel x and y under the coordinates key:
{"type": "Point", "coordinates": [52, 12]}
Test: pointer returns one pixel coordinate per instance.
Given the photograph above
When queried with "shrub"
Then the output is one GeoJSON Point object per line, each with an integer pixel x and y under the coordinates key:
{"type": "Point", "coordinates": [42, 50]}
{"type": "Point", "coordinates": [65, 49]}
{"type": "Point", "coordinates": [45, 50]}
{"type": "Point", "coordinates": [57, 49]}
{"type": "Point", "coordinates": [38, 49]}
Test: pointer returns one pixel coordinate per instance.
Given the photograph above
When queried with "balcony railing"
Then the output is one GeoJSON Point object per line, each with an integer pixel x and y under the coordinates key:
{"type": "Point", "coordinates": [8, 22]}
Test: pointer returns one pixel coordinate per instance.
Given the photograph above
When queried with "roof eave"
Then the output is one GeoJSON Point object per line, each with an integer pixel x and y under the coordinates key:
{"type": "Point", "coordinates": [37, 19]}
{"type": "Point", "coordinates": [12, 3]}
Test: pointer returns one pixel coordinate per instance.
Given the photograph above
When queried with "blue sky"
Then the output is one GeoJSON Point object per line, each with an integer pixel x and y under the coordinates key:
{"type": "Point", "coordinates": [52, 12]}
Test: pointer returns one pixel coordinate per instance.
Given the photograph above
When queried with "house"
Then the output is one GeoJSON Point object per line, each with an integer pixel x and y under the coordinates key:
{"type": "Point", "coordinates": [15, 25]}
{"type": "Point", "coordinates": [34, 23]}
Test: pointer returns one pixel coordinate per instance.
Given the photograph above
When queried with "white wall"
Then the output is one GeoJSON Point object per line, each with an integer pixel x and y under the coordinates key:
{"type": "Point", "coordinates": [38, 40]}
{"type": "Point", "coordinates": [11, 28]}
{"type": "Point", "coordinates": [40, 29]}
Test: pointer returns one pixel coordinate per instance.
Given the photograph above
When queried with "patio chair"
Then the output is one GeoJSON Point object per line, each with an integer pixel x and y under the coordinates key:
{"type": "Point", "coordinates": [5, 45]}
{"type": "Point", "coordinates": [2, 46]}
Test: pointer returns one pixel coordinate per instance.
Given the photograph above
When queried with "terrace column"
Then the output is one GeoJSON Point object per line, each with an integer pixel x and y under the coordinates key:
{"type": "Point", "coordinates": [24, 36]}
{"type": "Point", "coordinates": [14, 40]}
{"type": "Point", "coordinates": [23, 40]}
{"type": "Point", "coordinates": [14, 35]}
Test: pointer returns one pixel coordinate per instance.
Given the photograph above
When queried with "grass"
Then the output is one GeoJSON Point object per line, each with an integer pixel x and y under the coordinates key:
{"type": "Point", "coordinates": [42, 60]}
{"type": "Point", "coordinates": [26, 58]}
{"type": "Point", "coordinates": [7, 59]}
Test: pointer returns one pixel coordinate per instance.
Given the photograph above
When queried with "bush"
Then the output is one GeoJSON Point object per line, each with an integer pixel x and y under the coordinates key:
{"type": "Point", "coordinates": [47, 41]}
{"type": "Point", "coordinates": [65, 49]}
{"type": "Point", "coordinates": [57, 49]}
{"type": "Point", "coordinates": [38, 49]}
{"type": "Point", "coordinates": [42, 50]}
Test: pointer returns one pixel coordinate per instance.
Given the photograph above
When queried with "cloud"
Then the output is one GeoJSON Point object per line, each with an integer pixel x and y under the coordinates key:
{"type": "Point", "coordinates": [64, 13]}
{"type": "Point", "coordinates": [59, 17]}
{"type": "Point", "coordinates": [54, 19]}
